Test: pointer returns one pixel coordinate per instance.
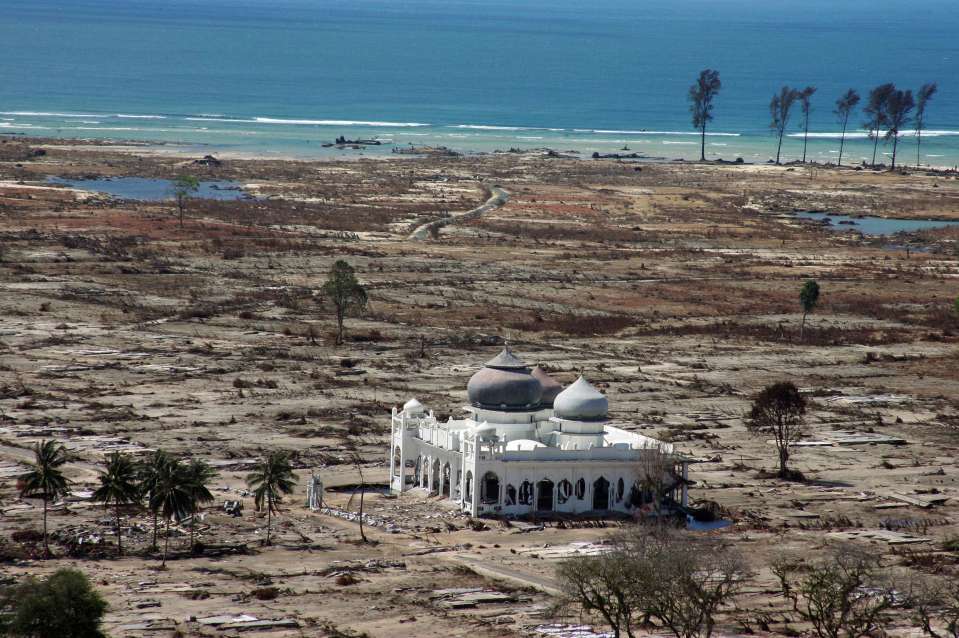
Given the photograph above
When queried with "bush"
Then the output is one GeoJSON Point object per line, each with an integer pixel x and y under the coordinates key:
{"type": "Point", "coordinates": [265, 593]}
{"type": "Point", "coordinates": [64, 605]}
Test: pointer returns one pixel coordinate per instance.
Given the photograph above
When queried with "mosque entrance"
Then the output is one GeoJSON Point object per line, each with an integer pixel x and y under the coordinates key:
{"type": "Point", "coordinates": [600, 494]}
{"type": "Point", "coordinates": [544, 496]}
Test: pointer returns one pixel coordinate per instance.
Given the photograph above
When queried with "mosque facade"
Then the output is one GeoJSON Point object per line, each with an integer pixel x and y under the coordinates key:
{"type": "Point", "coordinates": [527, 445]}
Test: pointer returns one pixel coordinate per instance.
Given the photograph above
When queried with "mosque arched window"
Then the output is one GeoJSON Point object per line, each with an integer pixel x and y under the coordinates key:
{"type": "Point", "coordinates": [526, 493]}
{"type": "Point", "coordinates": [563, 491]}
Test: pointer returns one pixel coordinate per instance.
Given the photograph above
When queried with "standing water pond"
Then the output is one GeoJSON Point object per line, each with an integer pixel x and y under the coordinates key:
{"type": "Point", "coordinates": [874, 225]}
{"type": "Point", "coordinates": [144, 189]}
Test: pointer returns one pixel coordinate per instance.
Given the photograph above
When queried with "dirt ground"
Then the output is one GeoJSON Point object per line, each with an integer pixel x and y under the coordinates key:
{"type": "Point", "coordinates": [673, 287]}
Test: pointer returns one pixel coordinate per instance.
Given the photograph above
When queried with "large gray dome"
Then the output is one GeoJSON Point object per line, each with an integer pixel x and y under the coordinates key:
{"type": "Point", "coordinates": [551, 387]}
{"type": "Point", "coordinates": [581, 402]}
{"type": "Point", "coordinates": [504, 383]}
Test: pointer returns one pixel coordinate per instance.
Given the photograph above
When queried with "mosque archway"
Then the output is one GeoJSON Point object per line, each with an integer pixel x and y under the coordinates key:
{"type": "Point", "coordinates": [544, 496]}
{"type": "Point", "coordinates": [601, 494]}
{"type": "Point", "coordinates": [397, 462]}
{"type": "Point", "coordinates": [447, 483]}
{"type": "Point", "coordinates": [489, 489]}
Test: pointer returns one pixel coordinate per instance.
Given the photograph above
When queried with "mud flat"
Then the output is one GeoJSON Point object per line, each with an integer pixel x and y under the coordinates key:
{"type": "Point", "coordinates": [674, 287]}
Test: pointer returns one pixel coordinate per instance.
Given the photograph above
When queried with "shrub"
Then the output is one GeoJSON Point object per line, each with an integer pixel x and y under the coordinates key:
{"type": "Point", "coordinates": [265, 593]}
{"type": "Point", "coordinates": [64, 605]}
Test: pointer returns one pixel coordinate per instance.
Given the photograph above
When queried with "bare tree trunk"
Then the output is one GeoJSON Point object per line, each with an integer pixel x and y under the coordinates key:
{"type": "Point", "coordinates": [875, 145]}
{"type": "Point", "coordinates": [46, 545]}
{"type": "Point", "coordinates": [166, 542]}
{"type": "Point", "coordinates": [362, 533]}
{"type": "Point", "coordinates": [895, 145]}
{"type": "Point", "coordinates": [339, 326]}
{"type": "Point", "coordinates": [119, 540]}
{"type": "Point", "coordinates": [805, 139]}
{"type": "Point", "coordinates": [802, 327]}
{"type": "Point", "coordinates": [783, 459]}
{"type": "Point", "coordinates": [155, 526]}
{"type": "Point", "coordinates": [702, 145]}
{"type": "Point", "coordinates": [918, 145]}
{"type": "Point", "coordinates": [269, 519]}
{"type": "Point", "coordinates": [842, 140]}
{"type": "Point", "coordinates": [780, 147]}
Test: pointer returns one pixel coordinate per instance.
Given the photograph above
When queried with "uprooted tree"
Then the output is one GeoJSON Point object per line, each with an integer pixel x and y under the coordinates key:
{"type": "Point", "coordinates": [779, 410]}
{"type": "Point", "coordinates": [653, 574]}
{"type": "Point", "coordinates": [843, 594]}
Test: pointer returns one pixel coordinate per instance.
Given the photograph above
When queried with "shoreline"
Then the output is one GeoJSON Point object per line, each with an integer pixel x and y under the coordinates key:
{"type": "Point", "coordinates": [183, 150]}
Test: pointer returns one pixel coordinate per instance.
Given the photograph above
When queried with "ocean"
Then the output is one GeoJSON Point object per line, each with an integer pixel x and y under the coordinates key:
{"type": "Point", "coordinates": [282, 77]}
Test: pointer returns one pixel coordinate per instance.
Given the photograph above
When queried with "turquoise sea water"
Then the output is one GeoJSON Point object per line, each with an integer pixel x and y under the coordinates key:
{"type": "Point", "coordinates": [284, 76]}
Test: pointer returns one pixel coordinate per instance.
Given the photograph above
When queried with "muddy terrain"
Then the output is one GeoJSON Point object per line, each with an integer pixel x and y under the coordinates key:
{"type": "Point", "coordinates": [673, 287]}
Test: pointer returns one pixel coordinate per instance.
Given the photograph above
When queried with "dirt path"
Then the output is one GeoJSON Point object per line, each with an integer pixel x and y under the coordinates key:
{"type": "Point", "coordinates": [497, 198]}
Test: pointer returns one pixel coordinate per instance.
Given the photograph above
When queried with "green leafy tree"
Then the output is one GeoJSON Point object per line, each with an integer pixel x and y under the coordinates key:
{"type": "Point", "coordinates": [184, 187]}
{"type": "Point", "coordinates": [779, 409]}
{"type": "Point", "coordinates": [150, 472]}
{"type": "Point", "coordinates": [805, 106]}
{"type": "Point", "coordinates": [345, 293]}
{"type": "Point", "coordinates": [875, 112]}
{"type": "Point", "coordinates": [780, 109]}
{"type": "Point", "coordinates": [926, 91]}
{"type": "Point", "coordinates": [64, 605]}
{"type": "Point", "coordinates": [199, 475]}
{"type": "Point", "coordinates": [172, 497]}
{"type": "Point", "coordinates": [272, 478]}
{"type": "Point", "coordinates": [118, 486]}
{"type": "Point", "coordinates": [845, 105]}
{"type": "Point", "coordinates": [808, 298]}
{"type": "Point", "coordinates": [701, 96]}
{"type": "Point", "coordinates": [45, 480]}
{"type": "Point", "coordinates": [898, 108]}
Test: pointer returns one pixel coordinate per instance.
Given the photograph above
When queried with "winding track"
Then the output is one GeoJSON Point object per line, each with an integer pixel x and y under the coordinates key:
{"type": "Point", "coordinates": [497, 198]}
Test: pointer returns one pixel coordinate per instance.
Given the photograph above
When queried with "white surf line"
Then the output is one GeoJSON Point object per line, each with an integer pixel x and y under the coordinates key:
{"type": "Point", "coordinates": [497, 198]}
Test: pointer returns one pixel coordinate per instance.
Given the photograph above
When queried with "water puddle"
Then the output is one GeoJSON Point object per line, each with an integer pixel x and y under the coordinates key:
{"type": "Point", "coordinates": [873, 225]}
{"type": "Point", "coordinates": [144, 189]}
{"type": "Point", "coordinates": [706, 526]}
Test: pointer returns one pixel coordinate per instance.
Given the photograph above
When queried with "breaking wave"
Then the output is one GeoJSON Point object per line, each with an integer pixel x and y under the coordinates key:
{"type": "Point", "coordinates": [274, 120]}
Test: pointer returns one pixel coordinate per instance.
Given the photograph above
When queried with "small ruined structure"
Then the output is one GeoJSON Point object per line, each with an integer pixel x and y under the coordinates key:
{"type": "Point", "coordinates": [528, 445]}
{"type": "Point", "coordinates": [314, 493]}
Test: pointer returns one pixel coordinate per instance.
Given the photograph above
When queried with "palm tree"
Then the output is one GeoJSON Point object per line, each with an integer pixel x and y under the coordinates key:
{"type": "Point", "coordinates": [150, 472]}
{"type": "Point", "coordinates": [199, 474]}
{"type": "Point", "coordinates": [119, 486]}
{"type": "Point", "coordinates": [45, 480]}
{"type": "Point", "coordinates": [172, 497]}
{"type": "Point", "coordinates": [272, 478]}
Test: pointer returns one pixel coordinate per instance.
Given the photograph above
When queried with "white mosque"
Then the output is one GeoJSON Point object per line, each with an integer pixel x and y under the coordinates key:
{"type": "Point", "coordinates": [527, 445]}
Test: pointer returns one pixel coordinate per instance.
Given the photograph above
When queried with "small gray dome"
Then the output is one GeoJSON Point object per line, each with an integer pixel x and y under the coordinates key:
{"type": "Point", "coordinates": [551, 387]}
{"type": "Point", "coordinates": [581, 402]}
{"type": "Point", "coordinates": [504, 383]}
